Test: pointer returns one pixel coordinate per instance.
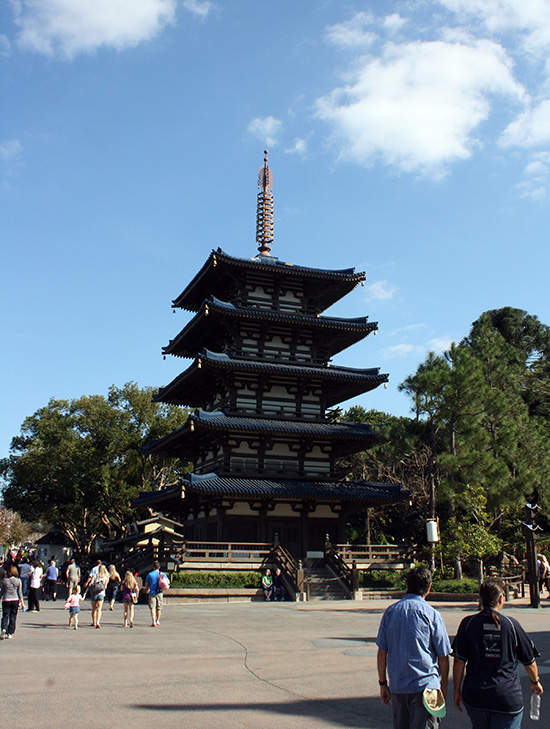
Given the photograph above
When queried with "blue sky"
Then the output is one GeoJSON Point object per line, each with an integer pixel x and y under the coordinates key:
{"type": "Point", "coordinates": [410, 140]}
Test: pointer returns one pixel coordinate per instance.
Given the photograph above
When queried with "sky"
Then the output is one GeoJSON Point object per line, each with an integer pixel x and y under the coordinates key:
{"type": "Point", "coordinates": [410, 140]}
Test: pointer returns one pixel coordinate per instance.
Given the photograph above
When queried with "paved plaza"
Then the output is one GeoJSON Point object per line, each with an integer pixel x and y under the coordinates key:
{"type": "Point", "coordinates": [253, 665]}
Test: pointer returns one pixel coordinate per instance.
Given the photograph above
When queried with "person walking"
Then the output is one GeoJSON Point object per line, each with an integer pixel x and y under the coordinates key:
{"type": "Point", "coordinates": [130, 593]}
{"type": "Point", "coordinates": [25, 570]}
{"type": "Point", "coordinates": [72, 604]}
{"type": "Point", "coordinates": [96, 585]}
{"type": "Point", "coordinates": [50, 582]}
{"type": "Point", "coordinates": [73, 575]}
{"type": "Point", "coordinates": [12, 598]}
{"type": "Point", "coordinates": [543, 573]}
{"type": "Point", "coordinates": [155, 594]}
{"type": "Point", "coordinates": [112, 586]}
{"type": "Point", "coordinates": [413, 648]}
{"type": "Point", "coordinates": [33, 602]}
{"type": "Point", "coordinates": [489, 646]}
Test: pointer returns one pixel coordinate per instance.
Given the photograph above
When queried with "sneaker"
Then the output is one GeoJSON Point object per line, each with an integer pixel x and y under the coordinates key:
{"type": "Point", "coordinates": [8, 635]}
{"type": "Point", "coordinates": [3, 635]}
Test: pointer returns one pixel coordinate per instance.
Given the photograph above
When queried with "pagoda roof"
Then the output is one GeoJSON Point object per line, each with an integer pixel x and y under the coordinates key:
{"type": "Point", "coordinates": [202, 425]}
{"type": "Point", "coordinates": [230, 487]}
{"type": "Point", "coordinates": [217, 276]}
{"type": "Point", "coordinates": [197, 381]}
{"type": "Point", "coordinates": [208, 329]}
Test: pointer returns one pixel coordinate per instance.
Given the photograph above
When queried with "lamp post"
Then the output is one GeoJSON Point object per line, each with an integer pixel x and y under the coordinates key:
{"type": "Point", "coordinates": [528, 529]}
{"type": "Point", "coordinates": [432, 532]}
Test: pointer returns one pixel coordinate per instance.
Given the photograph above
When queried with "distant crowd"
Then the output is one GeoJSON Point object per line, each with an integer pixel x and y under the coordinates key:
{"type": "Point", "coordinates": [24, 575]}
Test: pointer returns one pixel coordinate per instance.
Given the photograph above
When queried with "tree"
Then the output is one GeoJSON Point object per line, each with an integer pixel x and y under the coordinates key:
{"type": "Point", "coordinates": [13, 530]}
{"type": "Point", "coordinates": [481, 424]}
{"type": "Point", "coordinates": [78, 464]}
{"type": "Point", "coordinates": [467, 533]}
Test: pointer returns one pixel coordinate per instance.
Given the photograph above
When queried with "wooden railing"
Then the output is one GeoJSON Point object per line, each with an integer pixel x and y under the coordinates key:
{"type": "Point", "coordinates": [223, 552]}
{"type": "Point", "coordinates": [292, 570]}
{"type": "Point", "coordinates": [347, 573]}
{"type": "Point", "coordinates": [383, 553]}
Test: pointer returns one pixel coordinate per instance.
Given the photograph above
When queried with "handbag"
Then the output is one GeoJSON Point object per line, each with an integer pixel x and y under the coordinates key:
{"type": "Point", "coordinates": [164, 582]}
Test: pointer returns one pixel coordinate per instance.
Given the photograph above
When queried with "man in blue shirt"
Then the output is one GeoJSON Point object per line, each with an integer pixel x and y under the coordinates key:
{"type": "Point", "coordinates": [413, 647]}
{"type": "Point", "coordinates": [155, 594]}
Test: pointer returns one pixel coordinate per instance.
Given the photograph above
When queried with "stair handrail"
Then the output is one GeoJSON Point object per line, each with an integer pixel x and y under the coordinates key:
{"type": "Point", "coordinates": [348, 575]}
{"type": "Point", "coordinates": [292, 570]}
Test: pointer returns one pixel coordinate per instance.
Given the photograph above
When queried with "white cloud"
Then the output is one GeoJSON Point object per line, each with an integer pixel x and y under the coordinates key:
{"type": "Point", "coordinates": [417, 106]}
{"type": "Point", "coordinates": [439, 344]}
{"type": "Point", "coordinates": [200, 8]}
{"type": "Point", "coordinates": [380, 291]}
{"type": "Point", "coordinates": [536, 177]}
{"type": "Point", "coordinates": [267, 129]}
{"type": "Point", "coordinates": [69, 27]}
{"type": "Point", "coordinates": [10, 150]}
{"type": "Point", "coordinates": [402, 350]}
{"type": "Point", "coordinates": [531, 17]}
{"type": "Point", "coordinates": [353, 33]}
{"type": "Point", "coordinates": [5, 45]}
{"type": "Point", "coordinates": [394, 22]}
{"type": "Point", "coordinates": [299, 147]}
{"type": "Point", "coordinates": [530, 129]}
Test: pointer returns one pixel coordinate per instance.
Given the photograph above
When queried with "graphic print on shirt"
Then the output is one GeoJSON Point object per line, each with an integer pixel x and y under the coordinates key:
{"type": "Point", "coordinates": [492, 641]}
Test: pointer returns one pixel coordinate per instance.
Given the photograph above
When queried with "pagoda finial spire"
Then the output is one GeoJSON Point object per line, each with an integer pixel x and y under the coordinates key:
{"type": "Point", "coordinates": [264, 213]}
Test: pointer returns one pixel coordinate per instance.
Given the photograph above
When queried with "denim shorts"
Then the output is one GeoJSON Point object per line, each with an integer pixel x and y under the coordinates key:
{"type": "Point", "coordinates": [74, 610]}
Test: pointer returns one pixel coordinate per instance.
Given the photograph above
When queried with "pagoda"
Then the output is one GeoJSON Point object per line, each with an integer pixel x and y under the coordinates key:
{"type": "Point", "coordinates": [263, 441]}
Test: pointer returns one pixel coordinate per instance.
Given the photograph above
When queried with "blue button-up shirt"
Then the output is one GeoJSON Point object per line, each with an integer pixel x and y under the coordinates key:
{"type": "Point", "coordinates": [414, 636]}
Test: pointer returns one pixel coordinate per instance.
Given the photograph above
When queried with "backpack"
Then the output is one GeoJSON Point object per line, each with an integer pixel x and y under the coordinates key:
{"type": "Point", "coordinates": [97, 585]}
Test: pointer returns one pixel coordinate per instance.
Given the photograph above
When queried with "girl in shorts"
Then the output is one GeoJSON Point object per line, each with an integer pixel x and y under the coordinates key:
{"type": "Point", "coordinates": [72, 604]}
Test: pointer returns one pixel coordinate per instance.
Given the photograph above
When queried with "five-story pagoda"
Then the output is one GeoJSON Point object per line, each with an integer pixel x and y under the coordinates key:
{"type": "Point", "coordinates": [261, 440]}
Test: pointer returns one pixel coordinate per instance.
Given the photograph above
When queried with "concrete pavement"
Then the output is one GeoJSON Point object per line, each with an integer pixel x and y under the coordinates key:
{"type": "Point", "coordinates": [285, 665]}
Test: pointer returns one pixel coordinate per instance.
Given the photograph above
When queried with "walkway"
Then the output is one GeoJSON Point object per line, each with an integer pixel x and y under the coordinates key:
{"type": "Point", "coordinates": [252, 665]}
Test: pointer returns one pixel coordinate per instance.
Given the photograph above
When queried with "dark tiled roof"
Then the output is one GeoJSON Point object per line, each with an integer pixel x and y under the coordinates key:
{"type": "Point", "coordinates": [245, 488]}
{"type": "Point", "coordinates": [345, 437]}
{"type": "Point", "coordinates": [217, 420]}
{"type": "Point", "coordinates": [331, 371]}
{"type": "Point", "coordinates": [213, 270]}
{"type": "Point", "coordinates": [339, 383]}
{"type": "Point", "coordinates": [332, 322]}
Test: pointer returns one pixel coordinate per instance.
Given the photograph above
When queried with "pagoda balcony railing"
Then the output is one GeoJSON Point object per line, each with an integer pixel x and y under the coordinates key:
{"type": "Point", "coordinates": [382, 553]}
{"type": "Point", "coordinates": [224, 552]}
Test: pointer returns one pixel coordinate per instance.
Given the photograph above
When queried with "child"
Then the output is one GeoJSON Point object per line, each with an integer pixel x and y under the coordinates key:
{"type": "Point", "coordinates": [73, 605]}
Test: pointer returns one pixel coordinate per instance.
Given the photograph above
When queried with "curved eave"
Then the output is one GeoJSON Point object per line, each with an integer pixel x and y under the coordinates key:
{"type": "Point", "coordinates": [345, 438]}
{"type": "Point", "coordinates": [199, 380]}
{"type": "Point", "coordinates": [207, 328]}
{"type": "Point", "coordinates": [219, 262]}
{"type": "Point", "coordinates": [244, 489]}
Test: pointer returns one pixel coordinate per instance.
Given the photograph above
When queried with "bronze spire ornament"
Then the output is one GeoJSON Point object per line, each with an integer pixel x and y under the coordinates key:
{"type": "Point", "coordinates": [264, 213]}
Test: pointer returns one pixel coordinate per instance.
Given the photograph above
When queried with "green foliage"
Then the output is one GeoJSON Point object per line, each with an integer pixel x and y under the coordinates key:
{"type": "Point", "coordinates": [466, 585]}
{"type": "Point", "coordinates": [467, 533]}
{"type": "Point", "coordinates": [78, 464]}
{"type": "Point", "coordinates": [481, 416]}
{"type": "Point", "coordinates": [395, 579]}
{"type": "Point", "coordinates": [234, 580]}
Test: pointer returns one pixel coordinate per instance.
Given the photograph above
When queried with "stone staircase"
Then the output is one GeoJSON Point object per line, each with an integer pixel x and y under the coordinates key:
{"type": "Point", "coordinates": [323, 583]}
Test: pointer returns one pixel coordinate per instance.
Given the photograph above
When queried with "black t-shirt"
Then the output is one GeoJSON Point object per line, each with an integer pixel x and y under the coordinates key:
{"type": "Point", "coordinates": [492, 653]}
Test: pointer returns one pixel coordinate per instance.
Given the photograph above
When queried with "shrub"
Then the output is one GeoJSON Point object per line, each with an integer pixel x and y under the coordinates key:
{"type": "Point", "coordinates": [467, 585]}
{"type": "Point", "coordinates": [216, 579]}
{"type": "Point", "coordinates": [383, 578]}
